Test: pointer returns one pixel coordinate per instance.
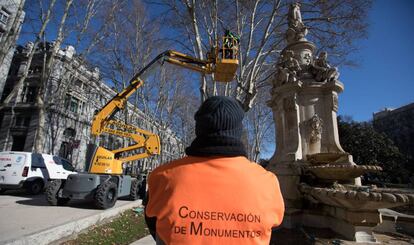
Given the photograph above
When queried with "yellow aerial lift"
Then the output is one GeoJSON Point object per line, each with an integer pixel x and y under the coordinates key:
{"type": "Point", "coordinates": [105, 181]}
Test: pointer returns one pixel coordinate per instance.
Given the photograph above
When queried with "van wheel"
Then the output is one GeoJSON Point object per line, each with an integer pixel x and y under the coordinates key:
{"type": "Point", "coordinates": [135, 187]}
{"type": "Point", "coordinates": [106, 195]}
{"type": "Point", "coordinates": [2, 190]}
{"type": "Point", "coordinates": [53, 192]}
{"type": "Point", "coordinates": [34, 187]}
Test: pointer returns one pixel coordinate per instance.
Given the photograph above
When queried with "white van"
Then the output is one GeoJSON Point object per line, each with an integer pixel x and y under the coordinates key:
{"type": "Point", "coordinates": [31, 170]}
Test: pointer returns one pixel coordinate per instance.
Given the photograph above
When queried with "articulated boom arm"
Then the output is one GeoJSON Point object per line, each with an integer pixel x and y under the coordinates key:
{"type": "Point", "coordinates": [221, 63]}
{"type": "Point", "coordinates": [117, 103]}
{"type": "Point", "coordinates": [150, 142]}
{"type": "Point", "coordinates": [103, 123]}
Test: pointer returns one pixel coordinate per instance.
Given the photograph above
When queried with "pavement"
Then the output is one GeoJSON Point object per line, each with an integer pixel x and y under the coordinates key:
{"type": "Point", "coordinates": [148, 240]}
{"type": "Point", "coordinates": [29, 219]}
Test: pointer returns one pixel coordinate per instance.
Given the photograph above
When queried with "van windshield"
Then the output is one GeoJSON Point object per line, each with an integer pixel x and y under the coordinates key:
{"type": "Point", "coordinates": [65, 164]}
{"type": "Point", "coordinates": [11, 159]}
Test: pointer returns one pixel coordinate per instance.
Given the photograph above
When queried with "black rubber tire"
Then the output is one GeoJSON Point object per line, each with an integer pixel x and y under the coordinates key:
{"type": "Point", "coordinates": [2, 190]}
{"type": "Point", "coordinates": [142, 192]}
{"type": "Point", "coordinates": [134, 192]}
{"type": "Point", "coordinates": [106, 195]}
{"type": "Point", "coordinates": [34, 187]}
{"type": "Point", "coordinates": [52, 193]}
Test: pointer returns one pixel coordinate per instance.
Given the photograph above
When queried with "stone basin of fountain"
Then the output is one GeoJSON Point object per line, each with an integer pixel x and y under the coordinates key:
{"type": "Point", "coordinates": [361, 198]}
{"type": "Point", "coordinates": [329, 157]}
{"type": "Point", "coordinates": [340, 171]}
{"type": "Point", "coordinates": [336, 166]}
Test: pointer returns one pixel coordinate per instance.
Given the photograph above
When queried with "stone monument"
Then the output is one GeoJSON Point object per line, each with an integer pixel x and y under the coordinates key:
{"type": "Point", "coordinates": [320, 182]}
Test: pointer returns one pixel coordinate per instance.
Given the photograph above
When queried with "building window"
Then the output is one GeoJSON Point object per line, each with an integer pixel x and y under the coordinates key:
{"type": "Point", "coordinates": [18, 142]}
{"type": "Point", "coordinates": [4, 17]}
{"type": "Point", "coordinates": [6, 92]}
{"type": "Point", "coordinates": [66, 150]}
{"type": "Point", "coordinates": [81, 107]}
{"type": "Point", "coordinates": [35, 69]}
{"type": "Point", "coordinates": [79, 83]}
{"type": "Point", "coordinates": [29, 94]}
{"type": "Point", "coordinates": [22, 121]}
{"type": "Point", "coordinates": [73, 104]}
{"type": "Point", "coordinates": [69, 132]}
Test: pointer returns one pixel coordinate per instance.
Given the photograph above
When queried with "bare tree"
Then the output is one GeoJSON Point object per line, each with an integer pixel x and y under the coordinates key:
{"type": "Point", "coordinates": [7, 41]}
{"type": "Point", "coordinates": [47, 71]}
{"type": "Point", "coordinates": [261, 24]}
{"type": "Point", "coordinates": [69, 74]}
{"type": "Point", "coordinates": [259, 125]}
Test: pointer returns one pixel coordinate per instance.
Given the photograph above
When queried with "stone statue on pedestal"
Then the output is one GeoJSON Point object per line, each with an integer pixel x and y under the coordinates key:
{"type": "Point", "coordinates": [288, 68]}
{"type": "Point", "coordinates": [297, 30]}
{"type": "Point", "coordinates": [322, 70]}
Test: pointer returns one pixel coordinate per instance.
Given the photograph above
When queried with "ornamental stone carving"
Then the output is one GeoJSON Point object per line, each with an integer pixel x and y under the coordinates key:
{"type": "Point", "coordinates": [315, 126]}
{"type": "Point", "coordinates": [287, 69]}
{"type": "Point", "coordinates": [296, 29]}
{"type": "Point", "coordinates": [306, 57]}
{"type": "Point", "coordinates": [322, 71]}
{"type": "Point", "coordinates": [297, 61]}
{"type": "Point", "coordinates": [289, 104]}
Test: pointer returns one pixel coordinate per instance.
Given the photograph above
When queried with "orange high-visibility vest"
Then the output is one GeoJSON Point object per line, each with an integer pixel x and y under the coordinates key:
{"type": "Point", "coordinates": [215, 200]}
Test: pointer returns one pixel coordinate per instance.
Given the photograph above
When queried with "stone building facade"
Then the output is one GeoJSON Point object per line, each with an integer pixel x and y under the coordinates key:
{"type": "Point", "coordinates": [398, 124]}
{"type": "Point", "coordinates": [8, 11]}
{"type": "Point", "coordinates": [72, 94]}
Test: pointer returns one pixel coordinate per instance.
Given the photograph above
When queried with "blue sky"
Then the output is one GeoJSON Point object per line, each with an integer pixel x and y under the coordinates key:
{"type": "Point", "coordinates": [385, 77]}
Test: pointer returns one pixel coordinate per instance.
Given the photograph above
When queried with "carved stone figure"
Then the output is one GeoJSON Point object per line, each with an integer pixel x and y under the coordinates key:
{"type": "Point", "coordinates": [289, 104]}
{"type": "Point", "coordinates": [315, 126]}
{"type": "Point", "coordinates": [287, 68]}
{"type": "Point", "coordinates": [296, 30]}
{"type": "Point", "coordinates": [28, 47]}
{"type": "Point", "coordinates": [306, 57]}
{"type": "Point", "coordinates": [294, 16]}
{"type": "Point", "coordinates": [322, 70]}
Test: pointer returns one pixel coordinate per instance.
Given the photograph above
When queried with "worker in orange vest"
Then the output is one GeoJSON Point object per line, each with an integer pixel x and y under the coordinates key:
{"type": "Point", "coordinates": [214, 195]}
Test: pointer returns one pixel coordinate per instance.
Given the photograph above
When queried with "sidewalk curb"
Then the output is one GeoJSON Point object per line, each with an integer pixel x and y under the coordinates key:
{"type": "Point", "coordinates": [53, 234]}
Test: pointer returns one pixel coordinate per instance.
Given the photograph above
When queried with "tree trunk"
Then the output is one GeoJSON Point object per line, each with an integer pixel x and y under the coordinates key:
{"type": "Point", "coordinates": [46, 77]}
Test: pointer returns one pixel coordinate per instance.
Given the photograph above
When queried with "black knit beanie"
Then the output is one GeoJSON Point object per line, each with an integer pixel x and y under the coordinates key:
{"type": "Point", "coordinates": [218, 128]}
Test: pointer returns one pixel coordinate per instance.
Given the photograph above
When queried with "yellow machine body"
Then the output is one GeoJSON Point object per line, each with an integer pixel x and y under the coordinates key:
{"type": "Point", "coordinates": [104, 162]}
{"type": "Point", "coordinates": [225, 70]}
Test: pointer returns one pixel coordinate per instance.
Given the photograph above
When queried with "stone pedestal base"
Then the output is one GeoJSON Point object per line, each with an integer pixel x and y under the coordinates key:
{"type": "Point", "coordinates": [346, 223]}
{"type": "Point", "coordinates": [289, 179]}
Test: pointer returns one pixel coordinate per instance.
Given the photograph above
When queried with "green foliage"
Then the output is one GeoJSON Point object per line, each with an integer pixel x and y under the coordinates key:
{"type": "Point", "coordinates": [125, 229]}
{"type": "Point", "coordinates": [369, 147]}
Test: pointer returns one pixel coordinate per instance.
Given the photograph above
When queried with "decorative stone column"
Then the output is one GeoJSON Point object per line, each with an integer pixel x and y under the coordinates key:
{"type": "Point", "coordinates": [304, 110]}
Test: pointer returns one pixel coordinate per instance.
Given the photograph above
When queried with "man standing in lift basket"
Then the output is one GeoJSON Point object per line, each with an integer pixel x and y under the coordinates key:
{"type": "Point", "coordinates": [215, 195]}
